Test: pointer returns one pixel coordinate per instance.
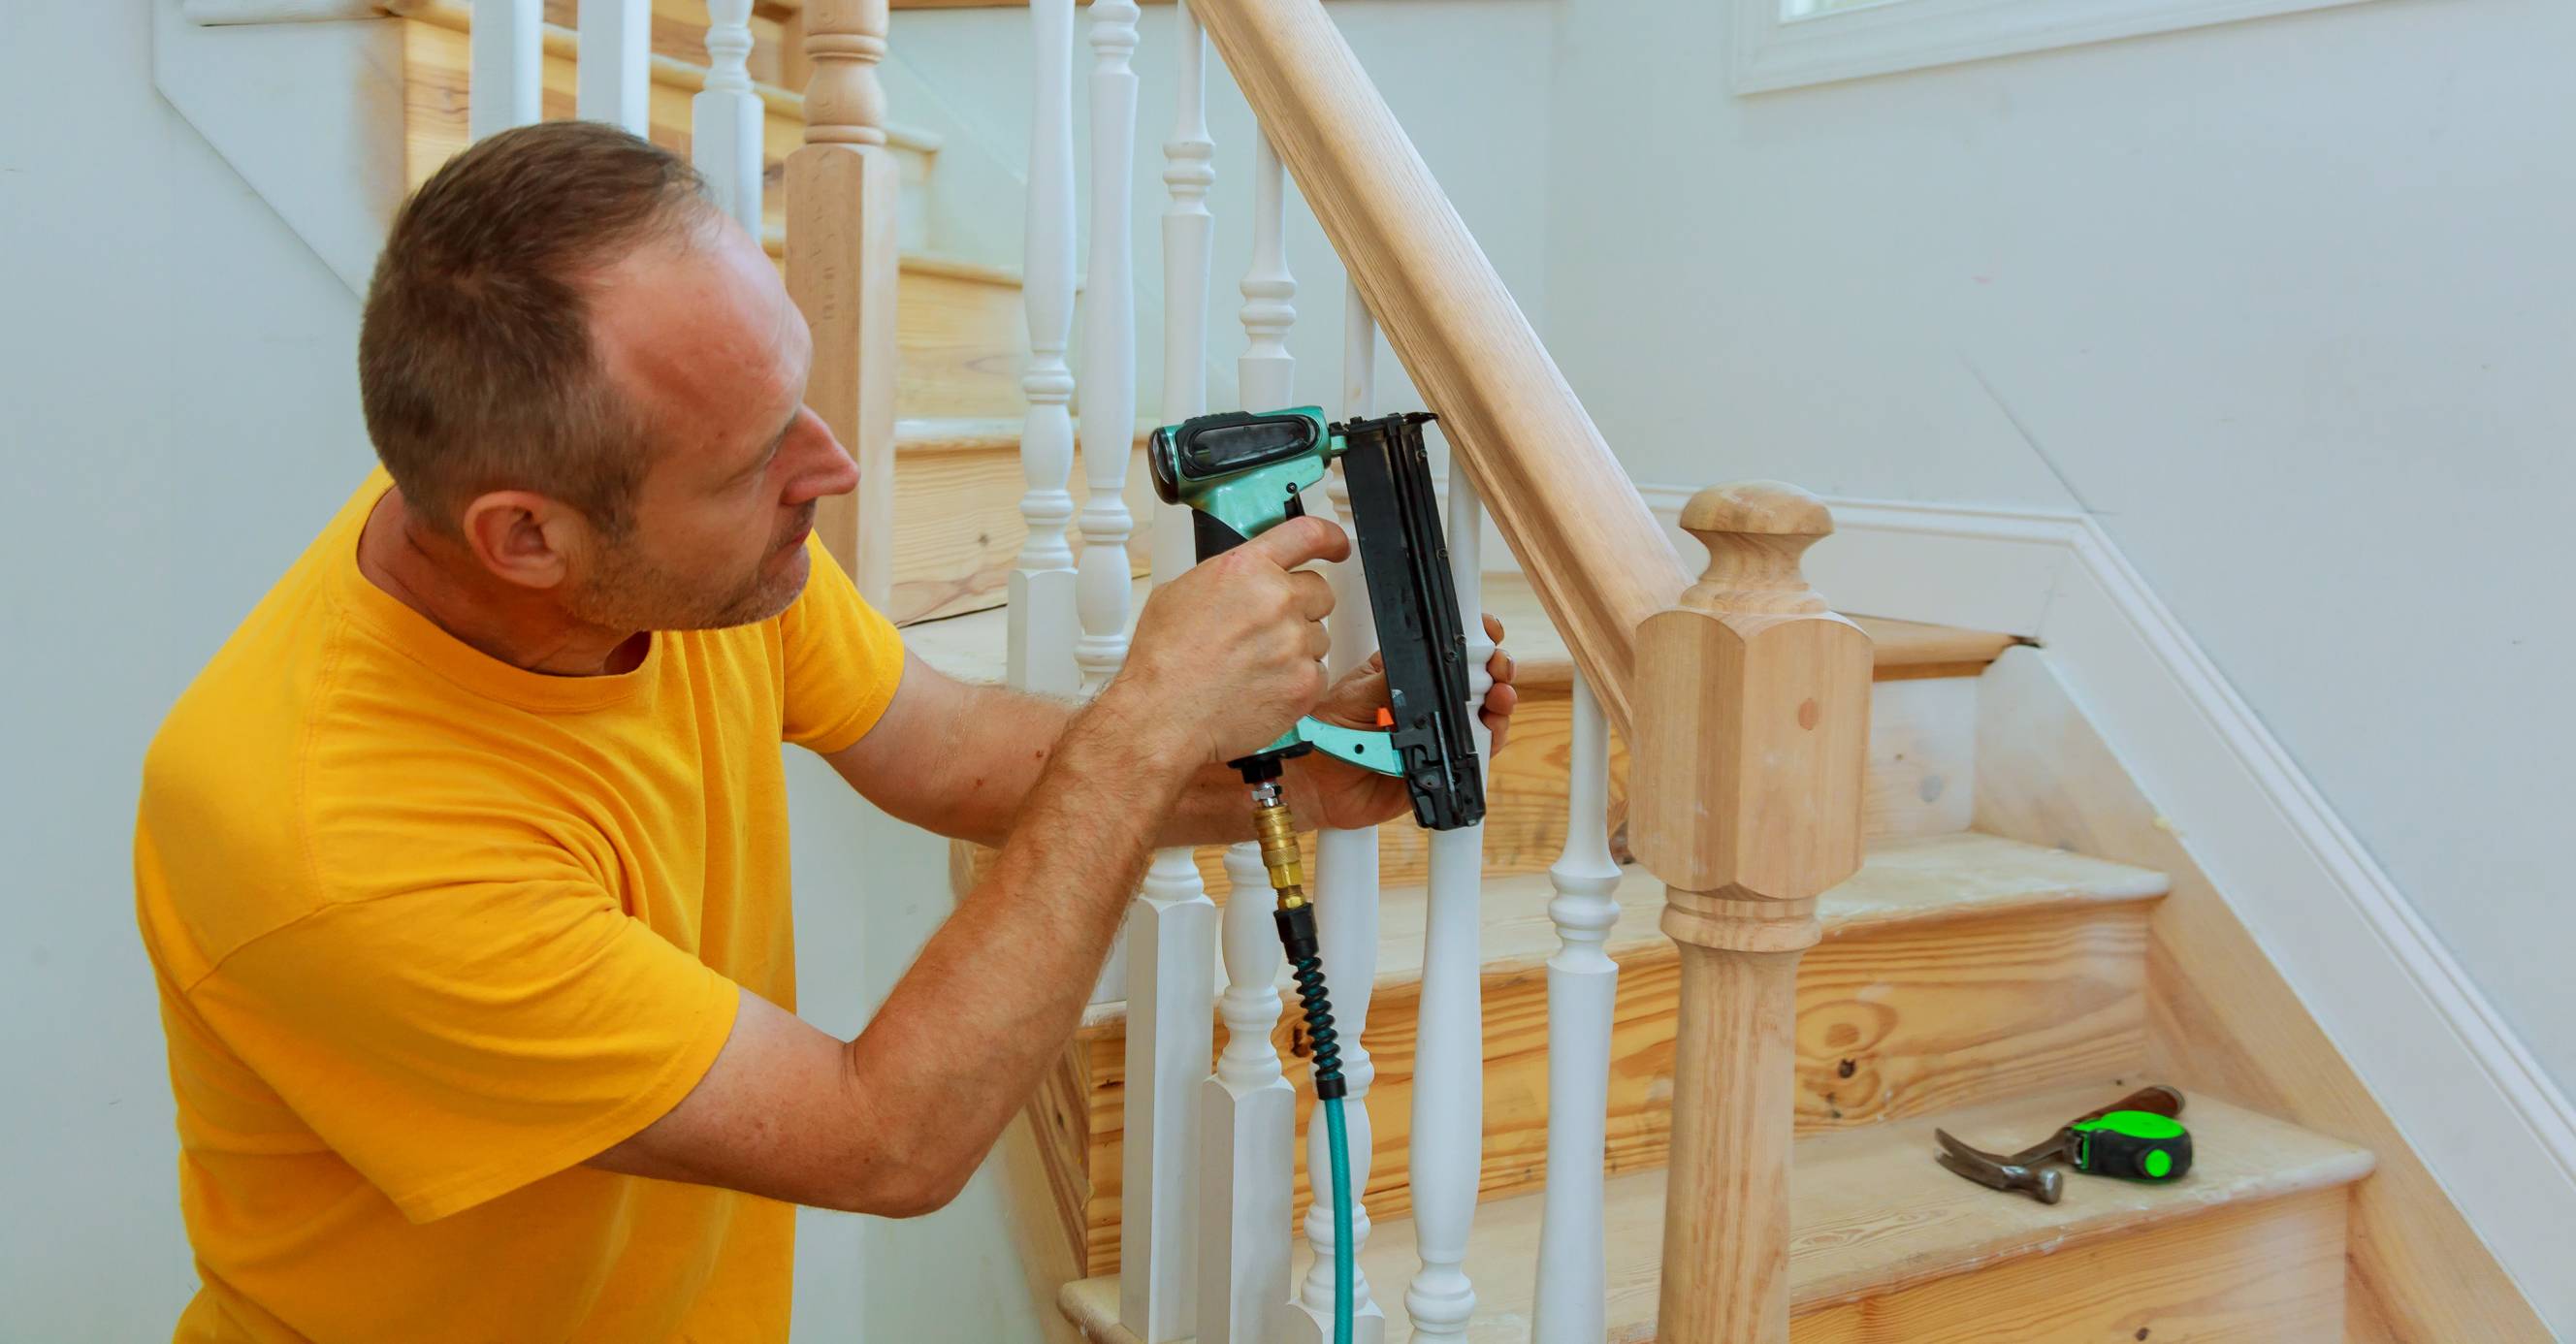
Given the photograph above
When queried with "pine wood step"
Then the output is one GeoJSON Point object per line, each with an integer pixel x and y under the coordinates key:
{"type": "Point", "coordinates": [1953, 968]}
{"type": "Point", "coordinates": [1887, 1246]}
{"type": "Point", "coordinates": [957, 520]}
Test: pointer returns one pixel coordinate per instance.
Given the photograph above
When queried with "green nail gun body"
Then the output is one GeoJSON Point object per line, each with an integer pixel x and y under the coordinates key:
{"type": "Point", "coordinates": [1240, 474]}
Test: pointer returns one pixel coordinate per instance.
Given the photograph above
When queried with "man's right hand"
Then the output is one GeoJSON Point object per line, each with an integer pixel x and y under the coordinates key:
{"type": "Point", "coordinates": [1232, 651]}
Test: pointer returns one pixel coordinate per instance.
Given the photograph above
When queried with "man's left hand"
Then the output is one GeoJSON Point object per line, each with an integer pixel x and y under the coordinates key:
{"type": "Point", "coordinates": [1348, 797]}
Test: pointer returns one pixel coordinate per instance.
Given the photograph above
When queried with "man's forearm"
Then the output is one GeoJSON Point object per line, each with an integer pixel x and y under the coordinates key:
{"type": "Point", "coordinates": [991, 1000]}
{"type": "Point", "coordinates": [1212, 809]}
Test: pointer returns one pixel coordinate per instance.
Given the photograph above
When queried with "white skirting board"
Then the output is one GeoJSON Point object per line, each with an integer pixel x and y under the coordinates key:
{"type": "Point", "coordinates": [2497, 1132]}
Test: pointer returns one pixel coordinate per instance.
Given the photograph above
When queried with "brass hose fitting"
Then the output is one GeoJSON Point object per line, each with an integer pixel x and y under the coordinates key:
{"type": "Point", "coordinates": [1278, 836]}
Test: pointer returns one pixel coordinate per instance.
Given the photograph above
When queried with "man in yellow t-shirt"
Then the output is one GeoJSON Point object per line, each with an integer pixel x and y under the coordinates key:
{"type": "Point", "coordinates": [463, 864]}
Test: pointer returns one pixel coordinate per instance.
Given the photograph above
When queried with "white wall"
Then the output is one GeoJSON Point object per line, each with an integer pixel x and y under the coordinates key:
{"type": "Point", "coordinates": [178, 414]}
{"type": "Point", "coordinates": [2289, 305]}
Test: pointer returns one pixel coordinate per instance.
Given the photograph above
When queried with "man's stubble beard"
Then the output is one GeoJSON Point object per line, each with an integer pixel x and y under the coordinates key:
{"type": "Point", "coordinates": [628, 590]}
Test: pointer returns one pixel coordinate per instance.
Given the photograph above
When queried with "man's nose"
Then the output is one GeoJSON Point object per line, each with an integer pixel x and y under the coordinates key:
{"type": "Point", "coordinates": [832, 470]}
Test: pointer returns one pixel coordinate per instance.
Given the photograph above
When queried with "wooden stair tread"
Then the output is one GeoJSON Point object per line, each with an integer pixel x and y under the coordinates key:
{"type": "Point", "coordinates": [1903, 649]}
{"type": "Point", "coordinates": [971, 648]}
{"type": "Point", "coordinates": [1916, 880]}
{"type": "Point", "coordinates": [1870, 1212]}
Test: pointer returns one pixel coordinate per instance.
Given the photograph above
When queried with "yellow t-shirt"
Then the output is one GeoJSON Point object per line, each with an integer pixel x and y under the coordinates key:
{"type": "Point", "coordinates": [431, 930]}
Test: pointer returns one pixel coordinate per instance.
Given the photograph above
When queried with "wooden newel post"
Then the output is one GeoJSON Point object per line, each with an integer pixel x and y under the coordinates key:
{"type": "Point", "coordinates": [1752, 728]}
{"type": "Point", "coordinates": [841, 271]}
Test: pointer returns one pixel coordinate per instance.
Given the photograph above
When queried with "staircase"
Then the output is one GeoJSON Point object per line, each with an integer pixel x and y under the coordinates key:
{"type": "Point", "coordinates": [1962, 978]}
{"type": "Point", "coordinates": [1984, 985]}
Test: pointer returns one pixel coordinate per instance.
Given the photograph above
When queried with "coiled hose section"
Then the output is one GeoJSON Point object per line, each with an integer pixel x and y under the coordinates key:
{"type": "Point", "coordinates": [1297, 935]}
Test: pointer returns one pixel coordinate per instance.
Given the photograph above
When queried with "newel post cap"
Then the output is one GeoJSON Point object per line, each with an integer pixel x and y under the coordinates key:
{"type": "Point", "coordinates": [1752, 715]}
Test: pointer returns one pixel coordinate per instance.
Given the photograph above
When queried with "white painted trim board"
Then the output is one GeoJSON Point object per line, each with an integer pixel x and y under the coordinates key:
{"type": "Point", "coordinates": [1770, 51]}
{"type": "Point", "coordinates": [2496, 1131]}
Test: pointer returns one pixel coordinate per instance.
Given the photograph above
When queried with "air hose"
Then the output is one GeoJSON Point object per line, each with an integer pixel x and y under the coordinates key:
{"type": "Point", "coordinates": [1295, 919]}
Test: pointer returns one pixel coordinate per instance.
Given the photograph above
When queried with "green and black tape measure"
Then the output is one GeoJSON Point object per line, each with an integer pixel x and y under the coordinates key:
{"type": "Point", "coordinates": [2137, 1145]}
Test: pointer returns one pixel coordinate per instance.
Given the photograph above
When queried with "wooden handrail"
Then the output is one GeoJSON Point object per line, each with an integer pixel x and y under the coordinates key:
{"type": "Point", "coordinates": [1593, 551]}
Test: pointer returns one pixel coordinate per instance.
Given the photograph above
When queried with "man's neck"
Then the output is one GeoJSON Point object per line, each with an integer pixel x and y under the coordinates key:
{"type": "Point", "coordinates": [438, 578]}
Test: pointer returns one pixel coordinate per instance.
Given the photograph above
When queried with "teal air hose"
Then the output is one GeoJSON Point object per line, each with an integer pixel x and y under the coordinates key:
{"type": "Point", "coordinates": [1345, 1270]}
{"type": "Point", "coordinates": [1297, 935]}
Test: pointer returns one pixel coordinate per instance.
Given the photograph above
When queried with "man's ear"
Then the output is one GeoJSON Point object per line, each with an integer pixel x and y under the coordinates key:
{"type": "Point", "coordinates": [523, 538]}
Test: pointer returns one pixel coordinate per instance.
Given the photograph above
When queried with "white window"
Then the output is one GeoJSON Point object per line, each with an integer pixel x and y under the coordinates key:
{"type": "Point", "coordinates": [1781, 44]}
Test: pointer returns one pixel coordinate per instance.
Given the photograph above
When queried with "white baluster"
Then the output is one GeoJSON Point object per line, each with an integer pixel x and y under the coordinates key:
{"type": "Point", "coordinates": [612, 80]}
{"type": "Point", "coordinates": [726, 117]}
{"type": "Point", "coordinates": [1267, 372]}
{"type": "Point", "coordinates": [1247, 1126]}
{"type": "Point", "coordinates": [505, 66]}
{"type": "Point", "coordinates": [1170, 991]}
{"type": "Point", "coordinates": [1042, 603]}
{"type": "Point", "coordinates": [1172, 926]}
{"type": "Point", "coordinates": [1449, 1063]}
{"type": "Point", "coordinates": [1249, 1129]}
{"type": "Point", "coordinates": [1189, 171]}
{"type": "Point", "coordinates": [1108, 347]}
{"type": "Point", "coordinates": [1346, 915]}
{"type": "Point", "coordinates": [1582, 992]}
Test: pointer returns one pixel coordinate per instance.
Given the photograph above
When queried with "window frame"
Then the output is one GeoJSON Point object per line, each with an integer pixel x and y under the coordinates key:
{"type": "Point", "coordinates": [1770, 53]}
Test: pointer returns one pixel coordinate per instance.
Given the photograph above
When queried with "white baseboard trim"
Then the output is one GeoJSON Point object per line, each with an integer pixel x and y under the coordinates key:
{"type": "Point", "coordinates": [2470, 1098]}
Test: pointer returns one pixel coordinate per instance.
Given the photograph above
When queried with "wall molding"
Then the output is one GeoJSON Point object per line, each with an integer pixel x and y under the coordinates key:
{"type": "Point", "coordinates": [216, 12]}
{"type": "Point", "coordinates": [1770, 52]}
{"type": "Point", "coordinates": [2459, 1084]}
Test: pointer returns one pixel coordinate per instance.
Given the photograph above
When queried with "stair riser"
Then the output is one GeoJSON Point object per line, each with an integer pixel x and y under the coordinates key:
{"type": "Point", "coordinates": [1920, 781]}
{"type": "Point", "coordinates": [958, 528]}
{"type": "Point", "coordinates": [2262, 1273]}
{"type": "Point", "coordinates": [1892, 1021]}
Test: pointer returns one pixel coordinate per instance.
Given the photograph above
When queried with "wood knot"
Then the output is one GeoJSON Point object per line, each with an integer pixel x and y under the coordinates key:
{"type": "Point", "coordinates": [1808, 713]}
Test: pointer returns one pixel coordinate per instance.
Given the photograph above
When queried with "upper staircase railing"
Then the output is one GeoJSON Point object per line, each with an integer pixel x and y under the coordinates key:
{"type": "Point", "coordinates": [1747, 703]}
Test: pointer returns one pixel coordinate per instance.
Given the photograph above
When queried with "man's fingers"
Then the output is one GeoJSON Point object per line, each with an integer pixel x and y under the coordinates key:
{"type": "Point", "coordinates": [1493, 627]}
{"type": "Point", "coordinates": [1300, 540]}
{"type": "Point", "coordinates": [1314, 594]}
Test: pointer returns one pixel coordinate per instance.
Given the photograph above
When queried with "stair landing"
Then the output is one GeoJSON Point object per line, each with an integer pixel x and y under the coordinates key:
{"type": "Point", "coordinates": [2248, 1246]}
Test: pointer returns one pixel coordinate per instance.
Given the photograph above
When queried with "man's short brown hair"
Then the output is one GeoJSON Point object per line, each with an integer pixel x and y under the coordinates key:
{"type": "Point", "coordinates": [475, 361]}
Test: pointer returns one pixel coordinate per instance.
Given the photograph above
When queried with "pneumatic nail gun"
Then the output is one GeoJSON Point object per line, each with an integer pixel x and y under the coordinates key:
{"type": "Point", "coordinates": [1240, 474]}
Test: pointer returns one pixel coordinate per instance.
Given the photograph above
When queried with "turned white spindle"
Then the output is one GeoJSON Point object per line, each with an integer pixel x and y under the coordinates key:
{"type": "Point", "coordinates": [1171, 988]}
{"type": "Point", "coordinates": [1108, 346]}
{"type": "Point", "coordinates": [726, 117]}
{"type": "Point", "coordinates": [1171, 929]}
{"type": "Point", "coordinates": [1582, 992]}
{"type": "Point", "coordinates": [1189, 171]}
{"type": "Point", "coordinates": [1449, 1064]}
{"type": "Point", "coordinates": [505, 66]}
{"type": "Point", "coordinates": [1346, 915]}
{"type": "Point", "coordinates": [1042, 614]}
{"type": "Point", "coordinates": [612, 79]}
{"type": "Point", "coordinates": [1266, 372]}
{"type": "Point", "coordinates": [1247, 1126]}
